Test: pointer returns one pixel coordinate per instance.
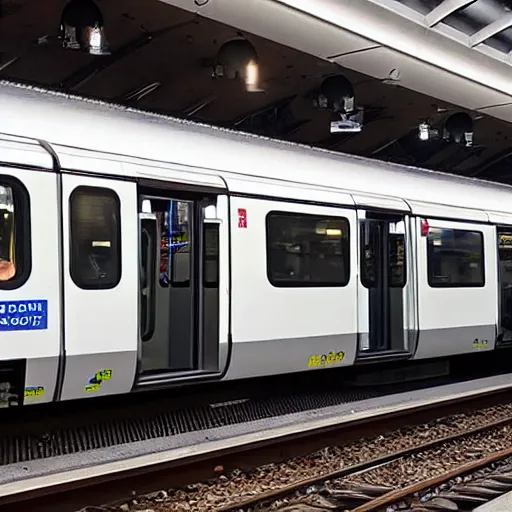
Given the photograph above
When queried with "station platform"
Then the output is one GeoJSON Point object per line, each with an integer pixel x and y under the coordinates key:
{"type": "Point", "coordinates": [37, 474]}
{"type": "Point", "coordinates": [501, 504]}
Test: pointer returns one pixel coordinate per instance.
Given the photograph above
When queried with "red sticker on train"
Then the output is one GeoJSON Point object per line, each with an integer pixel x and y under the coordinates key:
{"type": "Point", "coordinates": [242, 218]}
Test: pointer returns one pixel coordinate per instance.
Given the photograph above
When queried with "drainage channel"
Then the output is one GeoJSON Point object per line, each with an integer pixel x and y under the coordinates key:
{"type": "Point", "coordinates": [102, 434]}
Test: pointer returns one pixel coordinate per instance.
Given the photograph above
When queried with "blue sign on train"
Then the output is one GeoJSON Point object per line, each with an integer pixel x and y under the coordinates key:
{"type": "Point", "coordinates": [23, 315]}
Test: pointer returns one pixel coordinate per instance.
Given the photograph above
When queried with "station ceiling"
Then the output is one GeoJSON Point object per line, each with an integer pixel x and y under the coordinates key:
{"type": "Point", "coordinates": [161, 60]}
{"type": "Point", "coordinates": [487, 22]}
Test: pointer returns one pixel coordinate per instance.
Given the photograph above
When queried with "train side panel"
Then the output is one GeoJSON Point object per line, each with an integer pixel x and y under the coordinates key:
{"type": "Point", "coordinates": [458, 287]}
{"type": "Point", "coordinates": [293, 305]}
{"type": "Point", "coordinates": [30, 306]}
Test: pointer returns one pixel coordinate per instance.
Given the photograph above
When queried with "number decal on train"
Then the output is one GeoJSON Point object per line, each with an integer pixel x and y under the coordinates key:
{"type": "Point", "coordinates": [326, 359]}
{"type": "Point", "coordinates": [32, 391]}
{"type": "Point", "coordinates": [480, 344]}
{"type": "Point", "coordinates": [95, 382]}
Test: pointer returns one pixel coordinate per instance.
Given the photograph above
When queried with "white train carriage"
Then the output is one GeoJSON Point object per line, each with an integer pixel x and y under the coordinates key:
{"type": "Point", "coordinates": [138, 250]}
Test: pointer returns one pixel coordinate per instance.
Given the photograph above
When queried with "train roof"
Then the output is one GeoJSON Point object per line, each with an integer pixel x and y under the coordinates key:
{"type": "Point", "coordinates": [66, 120]}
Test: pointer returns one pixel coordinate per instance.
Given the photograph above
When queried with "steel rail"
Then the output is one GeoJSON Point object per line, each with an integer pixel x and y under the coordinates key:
{"type": "Point", "coordinates": [399, 494]}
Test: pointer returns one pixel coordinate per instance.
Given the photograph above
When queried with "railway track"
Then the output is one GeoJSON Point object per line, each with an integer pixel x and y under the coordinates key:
{"type": "Point", "coordinates": [463, 488]}
{"type": "Point", "coordinates": [365, 486]}
{"type": "Point", "coordinates": [231, 467]}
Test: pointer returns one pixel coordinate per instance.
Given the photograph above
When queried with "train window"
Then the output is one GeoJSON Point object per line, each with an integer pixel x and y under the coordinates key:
{"type": "Point", "coordinates": [455, 258]}
{"type": "Point", "coordinates": [376, 235]}
{"type": "Point", "coordinates": [15, 250]}
{"type": "Point", "coordinates": [307, 250]}
{"type": "Point", "coordinates": [175, 221]}
{"type": "Point", "coordinates": [95, 220]}
{"type": "Point", "coordinates": [397, 260]}
{"type": "Point", "coordinates": [211, 256]}
{"type": "Point", "coordinates": [505, 279]}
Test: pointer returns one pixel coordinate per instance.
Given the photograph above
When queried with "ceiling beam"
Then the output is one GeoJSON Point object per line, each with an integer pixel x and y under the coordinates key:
{"type": "Point", "coordinates": [444, 9]}
{"type": "Point", "coordinates": [490, 30]}
{"type": "Point", "coordinates": [80, 77]}
{"type": "Point", "coordinates": [272, 106]}
{"type": "Point", "coordinates": [277, 119]}
{"type": "Point", "coordinates": [483, 169]}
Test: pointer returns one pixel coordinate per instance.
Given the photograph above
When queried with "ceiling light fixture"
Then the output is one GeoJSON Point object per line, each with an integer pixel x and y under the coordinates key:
{"type": "Point", "coordinates": [458, 128]}
{"type": "Point", "coordinates": [336, 93]}
{"type": "Point", "coordinates": [424, 131]}
{"type": "Point", "coordinates": [81, 28]}
{"type": "Point", "coordinates": [238, 60]}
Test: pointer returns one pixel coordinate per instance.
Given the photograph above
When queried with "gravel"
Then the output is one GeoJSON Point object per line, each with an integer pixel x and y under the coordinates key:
{"type": "Point", "coordinates": [429, 463]}
{"type": "Point", "coordinates": [238, 485]}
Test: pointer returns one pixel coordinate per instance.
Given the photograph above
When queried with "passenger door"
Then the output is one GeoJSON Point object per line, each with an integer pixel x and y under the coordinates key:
{"type": "Point", "coordinates": [184, 282]}
{"type": "Point", "coordinates": [100, 285]}
{"type": "Point", "coordinates": [386, 308]}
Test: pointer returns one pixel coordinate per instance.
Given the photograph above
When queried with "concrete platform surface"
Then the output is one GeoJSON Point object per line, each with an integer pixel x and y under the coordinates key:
{"type": "Point", "coordinates": [501, 504]}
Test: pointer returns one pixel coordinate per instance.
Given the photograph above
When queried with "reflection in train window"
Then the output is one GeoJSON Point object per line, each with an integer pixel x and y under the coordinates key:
{"type": "Point", "coordinates": [307, 250]}
{"type": "Point", "coordinates": [15, 259]}
{"type": "Point", "coordinates": [455, 258]}
{"type": "Point", "coordinates": [397, 264]}
{"type": "Point", "coordinates": [379, 235]}
{"type": "Point", "coordinates": [174, 219]}
{"type": "Point", "coordinates": [211, 256]}
{"type": "Point", "coordinates": [95, 220]}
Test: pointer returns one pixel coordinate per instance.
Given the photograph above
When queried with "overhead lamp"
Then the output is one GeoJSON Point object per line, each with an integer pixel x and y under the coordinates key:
{"type": "Point", "coordinates": [458, 128]}
{"type": "Point", "coordinates": [336, 94]}
{"type": "Point", "coordinates": [426, 132]}
{"type": "Point", "coordinates": [81, 28]}
{"type": "Point", "coordinates": [238, 60]}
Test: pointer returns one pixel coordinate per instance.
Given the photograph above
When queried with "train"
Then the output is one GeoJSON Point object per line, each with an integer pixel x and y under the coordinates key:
{"type": "Point", "coordinates": [139, 251]}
